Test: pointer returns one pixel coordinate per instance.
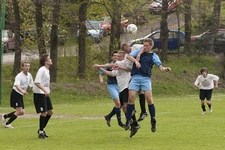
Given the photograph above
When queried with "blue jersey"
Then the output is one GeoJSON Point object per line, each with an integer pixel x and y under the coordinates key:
{"type": "Point", "coordinates": [110, 80]}
{"type": "Point", "coordinates": [147, 60]}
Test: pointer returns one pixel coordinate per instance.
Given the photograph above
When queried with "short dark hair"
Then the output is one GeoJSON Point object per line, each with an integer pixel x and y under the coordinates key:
{"type": "Point", "coordinates": [204, 69]}
{"type": "Point", "coordinates": [114, 53]}
{"type": "Point", "coordinates": [43, 59]}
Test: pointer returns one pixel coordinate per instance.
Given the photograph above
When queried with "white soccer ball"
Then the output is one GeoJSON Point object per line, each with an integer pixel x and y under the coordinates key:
{"type": "Point", "coordinates": [132, 28]}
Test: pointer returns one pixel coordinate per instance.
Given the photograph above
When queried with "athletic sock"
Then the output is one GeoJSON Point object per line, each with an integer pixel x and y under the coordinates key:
{"type": "Point", "coordinates": [209, 105]}
{"type": "Point", "coordinates": [42, 123]}
{"type": "Point", "coordinates": [118, 115]}
{"type": "Point", "coordinates": [134, 120]}
{"type": "Point", "coordinates": [12, 118]}
{"type": "Point", "coordinates": [142, 103]}
{"type": "Point", "coordinates": [112, 113]}
{"type": "Point", "coordinates": [203, 108]}
{"type": "Point", "coordinates": [130, 108]}
{"type": "Point", "coordinates": [47, 119]}
{"type": "Point", "coordinates": [9, 115]}
{"type": "Point", "coordinates": [152, 112]}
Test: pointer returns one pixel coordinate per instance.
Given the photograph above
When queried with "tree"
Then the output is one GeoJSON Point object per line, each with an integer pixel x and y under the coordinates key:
{"type": "Point", "coordinates": [82, 37]}
{"type": "Point", "coordinates": [16, 30]}
{"type": "Point", "coordinates": [54, 40]}
{"type": "Point", "coordinates": [187, 15]}
{"type": "Point", "coordinates": [39, 27]}
{"type": "Point", "coordinates": [164, 30]}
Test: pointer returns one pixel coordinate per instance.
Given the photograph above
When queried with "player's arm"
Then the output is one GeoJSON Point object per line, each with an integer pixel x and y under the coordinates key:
{"type": "Point", "coordinates": [21, 90]}
{"type": "Point", "coordinates": [139, 54]}
{"type": "Point", "coordinates": [132, 59]}
{"type": "Point", "coordinates": [103, 66]}
{"type": "Point", "coordinates": [164, 68]}
{"type": "Point", "coordinates": [42, 88]}
{"type": "Point", "coordinates": [124, 68]}
{"type": "Point", "coordinates": [101, 79]}
{"type": "Point", "coordinates": [108, 73]}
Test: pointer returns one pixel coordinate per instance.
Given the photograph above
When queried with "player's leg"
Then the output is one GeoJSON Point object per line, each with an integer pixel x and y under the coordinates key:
{"type": "Point", "coordinates": [151, 108]}
{"type": "Point", "coordinates": [142, 102]}
{"type": "Point", "coordinates": [202, 98]}
{"type": "Point", "coordinates": [130, 108]}
{"type": "Point", "coordinates": [208, 99]}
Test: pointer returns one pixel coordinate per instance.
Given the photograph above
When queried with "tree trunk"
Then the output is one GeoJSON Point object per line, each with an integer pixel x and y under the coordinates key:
{"type": "Point", "coordinates": [54, 41]}
{"type": "Point", "coordinates": [16, 30]}
{"type": "Point", "coordinates": [82, 38]}
{"type": "Point", "coordinates": [115, 28]}
{"type": "Point", "coordinates": [164, 30]}
{"type": "Point", "coordinates": [188, 26]}
{"type": "Point", "coordinates": [216, 12]}
{"type": "Point", "coordinates": [39, 26]}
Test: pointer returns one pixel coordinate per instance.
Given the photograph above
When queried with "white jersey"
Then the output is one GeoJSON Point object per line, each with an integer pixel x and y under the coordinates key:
{"type": "Point", "coordinates": [23, 81]}
{"type": "Point", "coordinates": [123, 77]}
{"type": "Point", "coordinates": [136, 47]}
{"type": "Point", "coordinates": [42, 77]}
{"type": "Point", "coordinates": [206, 83]}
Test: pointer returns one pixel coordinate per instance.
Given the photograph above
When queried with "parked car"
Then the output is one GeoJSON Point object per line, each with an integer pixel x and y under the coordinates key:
{"type": "Point", "coordinates": [9, 40]}
{"type": "Point", "coordinates": [94, 30]}
{"type": "Point", "coordinates": [173, 39]}
{"type": "Point", "coordinates": [31, 34]}
{"type": "Point", "coordinates": [156, 6]}
{"type": "Point", "coordinates": [209, 40]}
{"type": "Point", "coordinates": [107, 23]}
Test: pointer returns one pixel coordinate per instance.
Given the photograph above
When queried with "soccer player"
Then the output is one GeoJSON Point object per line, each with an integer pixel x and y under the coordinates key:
{"type": "Point", "coordinates": [21, 83]}
{"type": "Point", "coordinates": [122, 70]}
{"type": "Point", "coordinates": [140, 80]}
{"type": "Point", "coordinates": [42, 99]}
{"type": "Point", "coordinates": [205, 82]}
{"type": "Point", "coordinates": [128, 49]}
{"type": "Point", "coordinates": [113, 90]}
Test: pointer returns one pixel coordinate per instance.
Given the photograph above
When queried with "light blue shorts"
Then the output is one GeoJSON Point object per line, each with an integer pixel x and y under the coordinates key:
{"type": "Point", "coordinates": [139, 82]}
{"type": "Point", "coordinates": [113, 90]}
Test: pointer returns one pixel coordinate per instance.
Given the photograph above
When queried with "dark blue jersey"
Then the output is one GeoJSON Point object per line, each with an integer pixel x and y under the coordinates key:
{"type": "Point", "coordinates": [110, 80]}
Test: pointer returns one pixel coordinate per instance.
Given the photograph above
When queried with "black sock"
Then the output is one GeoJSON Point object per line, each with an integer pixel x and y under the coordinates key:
{"type": "Point", "coordinates": [209, 105]}
{"type": "Point", "coordinates": [134, 120]}
{"type": "Point", "coordinates": [203, 108]}
{"type": "Point", "coordinates": [47, 119]}
{"type": "Point", "coordinates": [9, 115]}
{"type": "Point", "coordinates": [142, 103]}
{"type": "Point", "coordinates": [112, 113]}
{"type": "Point", "coordinates": [42, 122]}
{"type": "Point", "coordinates": [12, 118]}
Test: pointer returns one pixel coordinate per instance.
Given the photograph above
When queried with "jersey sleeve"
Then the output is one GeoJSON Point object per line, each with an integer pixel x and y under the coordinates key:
{"type": "Point", "coordinates": [156, 60]}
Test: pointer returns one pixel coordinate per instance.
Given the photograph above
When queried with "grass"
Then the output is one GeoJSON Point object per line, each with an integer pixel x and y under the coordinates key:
{"type": "Point", "coordinates": [80, 125]}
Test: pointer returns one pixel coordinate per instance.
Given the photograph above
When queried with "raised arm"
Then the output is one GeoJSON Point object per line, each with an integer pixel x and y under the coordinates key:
{"type": "Point", "coordinates": [132, 59]}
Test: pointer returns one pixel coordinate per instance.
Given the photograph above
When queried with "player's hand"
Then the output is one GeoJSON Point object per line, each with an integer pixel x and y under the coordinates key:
{"type": "Point", "coordinates": [167, 69]}
{"type": "Point", "coordinates": [138, 65]}
{"type": "Point", "coordinates": [138, 57]}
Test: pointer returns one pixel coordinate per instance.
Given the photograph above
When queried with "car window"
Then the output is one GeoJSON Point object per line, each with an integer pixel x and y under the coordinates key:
{"type": "Point", "coordinates": [92, 25]}
{"type": "Point", "coordinates": [173, 35]}
{"type": "Point", "coordinates": [220, 34]}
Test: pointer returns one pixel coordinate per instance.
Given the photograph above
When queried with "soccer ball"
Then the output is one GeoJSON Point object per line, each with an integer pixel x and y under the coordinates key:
{"type": "Point", "coordinates": [132, 28]}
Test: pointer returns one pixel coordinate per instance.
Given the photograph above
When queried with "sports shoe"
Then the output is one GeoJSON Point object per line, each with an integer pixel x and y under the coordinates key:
{"type": "Point", "coordinates": [153, 128]}
{"type": "Point", "coordinates": [41, 136]}
{"type": "Point", "coordinates": [8, 126]}
{"type": "Point", "coordinates": [43, 132]}
{"type": "Point", "coordinates": [211, 110]}
{"type": "Point", "coordinates": [107, 120]}
{"type": "Point", "coordinates": [3, 120]}
{"type": "Point", "coordinates": [134, 130]}
{"type": "Point", "coordinates": [142, 116]}
{"type": "Point", "coordinates": [128, 123]}
{"type": "Point", "coordinates": [203, 112]}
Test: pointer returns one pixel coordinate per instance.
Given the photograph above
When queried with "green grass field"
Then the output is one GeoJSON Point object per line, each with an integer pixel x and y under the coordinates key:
{"type": "Point", "coordinates": [80, 125]}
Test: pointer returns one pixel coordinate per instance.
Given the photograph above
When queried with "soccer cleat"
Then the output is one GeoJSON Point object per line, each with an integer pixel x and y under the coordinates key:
{"type": "Point", "coordinates": [153, 128]}
{"type": "Point", "coordinates": [128, 123]}
{"type": "Point", "coordinates": [107, 120]}
{"type": "Point", "coordinates": [8, 126]}
{"type": "Point", "coordinates": [122, 125]}
{"type": "Point", "coordinates": [211, 110]}
{"type": "Point", "coordinates": [39, 131]}
{"type": "Point", "coordinates": [3, 120]}
{"type": "Point", "coordinates": [203, 112]}
{"type": "Point", "coordinates": [41, 136]}
{"type": "Point", "coordinates": [142, 116]}
{"type": "Point", "coordinates": [134, 130]}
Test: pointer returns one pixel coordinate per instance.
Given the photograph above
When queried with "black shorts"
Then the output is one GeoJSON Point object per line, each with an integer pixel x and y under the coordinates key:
{"type": "Point", "coordinates": [16, 99]}
{"type": "Point", "coordinates": [42, 103]}
{"type": "Point", "coordinates": [124, 96]}
{"type": "Point", "coordinates": [205, 94]}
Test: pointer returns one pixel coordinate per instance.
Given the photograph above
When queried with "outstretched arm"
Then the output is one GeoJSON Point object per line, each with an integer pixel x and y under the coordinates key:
{"type": "Point", "coordinates": [132, 59]}
{"type": "Point", "coordinates": [164, 68]}
{"type": "Point", "coordinates": [108, 73]}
